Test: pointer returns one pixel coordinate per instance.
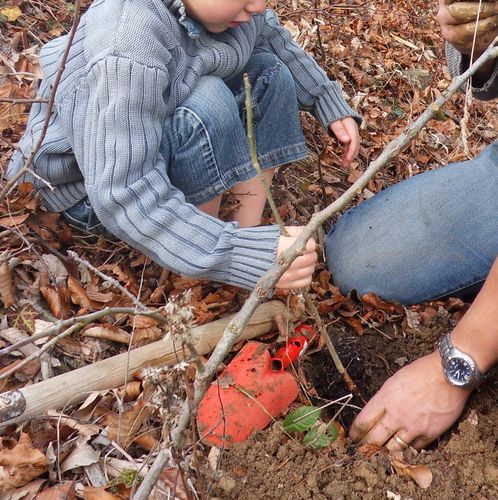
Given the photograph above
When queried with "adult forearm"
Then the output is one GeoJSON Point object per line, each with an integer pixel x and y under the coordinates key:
{"type": "Point", "coordinates": [477, 332]}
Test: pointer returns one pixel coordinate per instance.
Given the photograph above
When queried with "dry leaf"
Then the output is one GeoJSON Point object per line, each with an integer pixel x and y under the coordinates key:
{"type": "Point", "coordinates": [355, 324]}
{"type": "Point", "coordinates": [377, 303]}
{"type": "Point", "coordinates": [80, 457]}
{"type": "Point", "coordinates": [53, 298]}
{"type": "Point", "coordinates": [13, 220]}
{"type": "Point", "coordinates": [60, 492]}
{"type": "Point", "coordinates": [131, 391]}
{"type": "Point", "coordinates": [421, 474]}
{"type": "Point", "coordinates": [7, 292]}
{"type": "Point", "coordinates": [27, 492]}
{"type": "Point", "coordinates": [78, 294]}
{"type": "Point", "coordinates": [28, 371]}
{"type": "Point", "coordinates": [94, 294]}
{"type": "Point", "coordinates": [107, 331]}
{"type": "Point", "coordinates": [86, 430]}
{"type": "Point", "coordinates": [11, 13]}
{"type": "Point", "coordinates": [125, 428]}
{"type": "Point", "coordinates": [174, 480]}
{"type": "Point", "coordinates": [147, 442]}
{"type": "Point", "coordinates": [143, 336]}
{"type": "Point", "coordinates": [139, 321]}
{"type": "Point", "coordinates": [98, 494]}
{"type": "Point", "coordinates": [21, 464]}
{"type": "Point", "coordinates": [370, 450]}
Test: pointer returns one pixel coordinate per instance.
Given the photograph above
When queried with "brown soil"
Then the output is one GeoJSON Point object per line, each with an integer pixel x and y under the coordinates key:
{"type": "Point", "coordinates": [464, 462]}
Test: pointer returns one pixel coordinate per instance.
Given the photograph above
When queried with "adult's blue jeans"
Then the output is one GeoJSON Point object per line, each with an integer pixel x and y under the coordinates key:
{"type": "Point", "coordinates": [430, 236]}
{"type": "Point", "coordinates": [205, 140]}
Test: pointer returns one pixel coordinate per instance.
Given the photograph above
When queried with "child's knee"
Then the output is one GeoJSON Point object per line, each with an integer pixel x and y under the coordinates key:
{"type": "Point", "coordinates": [210, 98]}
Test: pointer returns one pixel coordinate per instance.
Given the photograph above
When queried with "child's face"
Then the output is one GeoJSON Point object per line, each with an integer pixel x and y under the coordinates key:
{"type": "Point", "coordinates": [219, 15]}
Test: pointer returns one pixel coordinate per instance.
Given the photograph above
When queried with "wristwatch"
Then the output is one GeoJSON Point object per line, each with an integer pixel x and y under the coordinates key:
{"type": "Point", "coordinates": [460, 369]}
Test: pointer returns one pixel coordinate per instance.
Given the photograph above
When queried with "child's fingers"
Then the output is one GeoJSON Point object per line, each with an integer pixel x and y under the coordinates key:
{"type": "Point", "coordinates": [346, 131]}
{"type": "Point", "coordinates": [293, 232]}
{"type": "Point", "coordinates": [310, 246]}
{"type": "Point", "coordinates": [340, 131]}
{"type": "Point", "coordinates": [300, 272]}
{"type": "Point", "coordinates": [297, 278]}
{"type": "Point", "coordinates": [354, 145]}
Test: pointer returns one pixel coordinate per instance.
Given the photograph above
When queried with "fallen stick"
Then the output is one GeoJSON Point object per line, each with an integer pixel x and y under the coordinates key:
{"type": "Point", "coordinates": [73, 387]}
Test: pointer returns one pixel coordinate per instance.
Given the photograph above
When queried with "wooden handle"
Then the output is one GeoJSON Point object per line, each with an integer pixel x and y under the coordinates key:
{"type": "Point", "coordinates": [73, 387]}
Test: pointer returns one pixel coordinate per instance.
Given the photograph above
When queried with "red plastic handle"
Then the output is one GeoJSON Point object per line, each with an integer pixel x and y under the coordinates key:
{"type": "Point", "coordinates": [286, 355]}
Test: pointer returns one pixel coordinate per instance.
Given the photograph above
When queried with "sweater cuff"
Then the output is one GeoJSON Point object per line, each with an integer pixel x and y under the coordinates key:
{"type": "Point", "coordinates": [332, 106]}
{"type": "Point", "coordinates": [254, 252]}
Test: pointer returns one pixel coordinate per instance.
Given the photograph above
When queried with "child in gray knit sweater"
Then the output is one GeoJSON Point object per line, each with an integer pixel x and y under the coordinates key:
{"type": "Point", "coordinates": [148, 130]}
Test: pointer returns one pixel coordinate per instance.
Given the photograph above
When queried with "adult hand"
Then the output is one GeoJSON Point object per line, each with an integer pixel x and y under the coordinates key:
{"type": "Point", "coordinates": [459, 24]}
{"type": "Point", "coordinates": [416, 405]}
{"type": "Point", "coordinates": [346, 131]}
{"type": "Point", "coordinates": [300, 272]}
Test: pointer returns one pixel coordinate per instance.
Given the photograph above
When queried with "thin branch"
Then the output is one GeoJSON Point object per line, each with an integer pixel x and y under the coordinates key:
{"type": "Point", "coordinates": [332, 350]}
{"type": "Point", "coordinates": [160, 462]}
{"type": "Point", "coordinates": [43, 349]}
{"type": "Point", "coordinates": [140, 305]}
{"type": "Point", "coordinates": [57, 327]}
{"type": "Point", "coordinates": [11, 183]}
{"type": "Point", "coordinates": [13, 100]}
{"type": "Point", "coordinates": [254, 156]}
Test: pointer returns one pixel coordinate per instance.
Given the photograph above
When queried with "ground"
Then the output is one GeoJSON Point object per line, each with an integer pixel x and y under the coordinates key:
{"type": "Point", "coordinates": [389, 57]}
{"type": "Point", "coordinates": [463, 462]}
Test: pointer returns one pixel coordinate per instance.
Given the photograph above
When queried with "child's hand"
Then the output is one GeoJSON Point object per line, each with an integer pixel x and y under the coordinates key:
{"type": "Point", "coordinates": [301, 270]}
{"type": "Point", "coordinates": [346, 131]}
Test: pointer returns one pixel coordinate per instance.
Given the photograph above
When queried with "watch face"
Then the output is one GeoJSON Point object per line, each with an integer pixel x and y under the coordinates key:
{"type": "Point", "coordinates": [459, 370]}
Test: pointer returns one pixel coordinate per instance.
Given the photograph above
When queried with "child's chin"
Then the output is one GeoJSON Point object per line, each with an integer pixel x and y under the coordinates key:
{"type": "Point", "coordinates": [216, 28]}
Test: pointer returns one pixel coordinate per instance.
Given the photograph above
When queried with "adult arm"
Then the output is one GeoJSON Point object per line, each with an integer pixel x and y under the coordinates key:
{"type": "Point", "coordinates": [417, 403]}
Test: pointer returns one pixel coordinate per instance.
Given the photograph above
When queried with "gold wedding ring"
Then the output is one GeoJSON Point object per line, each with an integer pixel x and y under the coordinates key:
{"type": "Point", "coordinates": [401, 442]}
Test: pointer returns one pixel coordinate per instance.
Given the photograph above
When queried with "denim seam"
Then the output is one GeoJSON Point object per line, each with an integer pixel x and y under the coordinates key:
{"type": "Point", "coordinates": [459, 289]}
{"type": "Point", "coordinates": [211, 157]}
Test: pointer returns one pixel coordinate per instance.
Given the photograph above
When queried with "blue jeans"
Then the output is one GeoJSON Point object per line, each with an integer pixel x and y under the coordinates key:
{"type": "Point", "coordinates": [205, 141]}
{"type": "Point", "coordinates": [433, 235]}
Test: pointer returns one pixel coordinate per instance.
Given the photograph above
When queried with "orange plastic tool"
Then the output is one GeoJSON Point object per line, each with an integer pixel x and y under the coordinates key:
{"type": "Point", "coordinates": [244, 398]}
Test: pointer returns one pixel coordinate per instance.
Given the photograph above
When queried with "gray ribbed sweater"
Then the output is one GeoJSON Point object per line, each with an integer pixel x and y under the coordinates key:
{"type": "Point", "coordinates": [131, 64]}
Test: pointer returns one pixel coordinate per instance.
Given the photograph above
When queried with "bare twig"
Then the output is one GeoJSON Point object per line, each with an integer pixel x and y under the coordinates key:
{"type": "Point", "coordinates": [468, 92]}
{"type": "Point", "coordinates": [13, 100]}
{"type": "Point", "coordinates": [140, 306]}
{"type": "Point", "coordinates": [11, 183]}
{"type": "Point", "coordinates": [254, 156]}
{"type": "Point", "coordinates": [46, 347]}
{"type": "Point", "coordinates": [87, 318]}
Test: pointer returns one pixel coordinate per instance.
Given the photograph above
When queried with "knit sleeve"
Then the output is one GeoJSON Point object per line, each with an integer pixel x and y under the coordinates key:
{"type": "Point", "coordinates": [128, 186]}
{"type": "Point", "coordinates": [315, 91]}
{"type": "Point", "coordinates": [457, 66]}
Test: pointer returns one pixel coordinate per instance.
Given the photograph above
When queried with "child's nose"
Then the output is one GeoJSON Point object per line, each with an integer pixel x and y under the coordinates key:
{"type": "Point", "coordinates": [256, 6]}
